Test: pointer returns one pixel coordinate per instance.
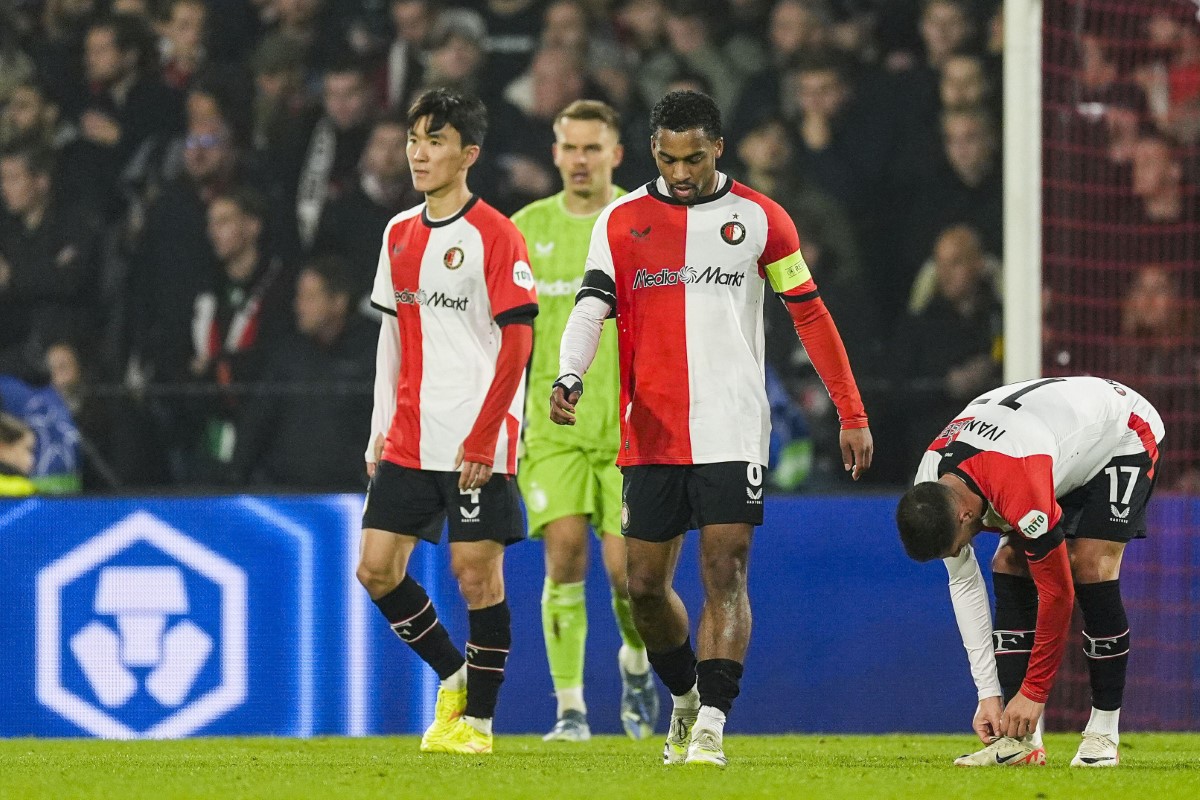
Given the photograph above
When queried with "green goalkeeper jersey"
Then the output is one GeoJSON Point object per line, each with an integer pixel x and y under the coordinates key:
{"type": "Point", "coordinates": [558, 246]}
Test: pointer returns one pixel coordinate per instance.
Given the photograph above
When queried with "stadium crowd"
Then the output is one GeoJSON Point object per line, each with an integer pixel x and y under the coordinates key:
{"type": "Point", "coordinates": [194, 193]}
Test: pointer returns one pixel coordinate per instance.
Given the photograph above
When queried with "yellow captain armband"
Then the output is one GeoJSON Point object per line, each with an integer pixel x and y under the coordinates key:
{"type": "Point", "coordinates": [788, 272]}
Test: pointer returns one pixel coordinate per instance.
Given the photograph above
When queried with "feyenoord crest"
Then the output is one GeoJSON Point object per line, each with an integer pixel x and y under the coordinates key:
{"type": "Point", "coordinates": [733, 232]}
{"type": "Point", "coordinates": [454, 258]}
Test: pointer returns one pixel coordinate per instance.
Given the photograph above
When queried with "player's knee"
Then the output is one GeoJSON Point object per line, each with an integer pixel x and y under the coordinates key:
{"type": "Point", "coordinates": [725, 571]}
{"type": "Point", "coordinates": [377, 580]}
{"type": "Point", "coordinates": [566, 565]}
{"type": "Point", "coordinates": [481, 581]}
{"type": "Point", "coordinates": [646, 588]}
{"type": "Point", "coordinates": [1093, 567]}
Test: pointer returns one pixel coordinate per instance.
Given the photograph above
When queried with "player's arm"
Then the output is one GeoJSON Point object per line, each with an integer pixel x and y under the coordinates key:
{"type": "Point", "coordinates": [972, 612]}
{"type": "Point", "coordinates": [387, 360]}
{"type": "Point", "coordinates": [783, 266]}
{"type": "Point", "coordinates": [1021, 490]}
{"type": "Point", "coordinates": [595, 302]}
{"type": "Point", "coordinates": [514, 305]}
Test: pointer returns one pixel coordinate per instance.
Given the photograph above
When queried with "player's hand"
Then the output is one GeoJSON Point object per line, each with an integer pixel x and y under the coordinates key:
{"type": "Point", "coordinates": [474, 475]}
{"type": "Point", "coordinates": [858, 448]}
{"type": "Point", "coordinates": [564, 394]}
{"type": "Point", "coordinates": [1020, 717]}
{"type": "Point", "coordinates": [377, 449]}
{"type": "Point", "coordinates": [987, 719]}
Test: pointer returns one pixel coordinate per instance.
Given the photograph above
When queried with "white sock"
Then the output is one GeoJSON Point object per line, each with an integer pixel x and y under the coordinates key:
{"type": "Point", "coordinates": [570, 700]}
{"type": "Point", "coordinates": [458, 681]}
{"type": "Point", "coordinates": [687, 702]}
{"type": "Point", "coordinates": [1105, 723]}
{"type": "Point", "coordinates": [1036, 736]}
{"type": "Point", "coordinates": [710, 719]}
{"type": "Point", "coordinates": [481, 724]}
{"type": "Point", "coordinates": [632, 660]}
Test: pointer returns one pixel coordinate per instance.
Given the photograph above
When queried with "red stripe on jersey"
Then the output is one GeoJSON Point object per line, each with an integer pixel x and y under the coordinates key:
{"type": "Point", "coordinates": [406, 245]}
{"type": "Point", "coordinates": [513, 427]}
{"type": "Point", "coordinates": [649, 235]}
{"type": "Point", "coordinates": [1142, 429]}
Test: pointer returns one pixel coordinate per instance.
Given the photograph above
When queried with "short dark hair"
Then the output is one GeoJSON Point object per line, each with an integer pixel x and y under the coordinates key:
{"type": "Point", "coordinates": [249, 201]}
{"type": "Point", "coordinates": [686, 111]}
{"type": "Point", "coordinates": [463, 112]}
{"type": "Point", "coordinates": [334, 272]}
{"type": "Point", "coordinates": [925, 517]}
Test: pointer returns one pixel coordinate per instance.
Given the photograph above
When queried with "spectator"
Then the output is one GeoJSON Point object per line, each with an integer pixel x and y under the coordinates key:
{"type": "Point", "coordinates": [29, 118]}
{"type": "Point", "coordinates": [16, 67]}
{"type": "Point", "coordinates": [948, 352]}
{"type": "Point", "coordinates": [17, 443]}
{"type": "Point", "coordinates": [457, 56]}
{"type": "Point", "coordinates": [48, 262]}
{"type": "Point", "coordinates": [124, 110]}
{"type": "Point", "coordinates": [401, 69]}
{"type": "Point", "coordinates": [1158, 349]}
{"type": "Point", "coordinates": [690, 48]}
{"type": "Point", "coordinates": [798, 28]}
{"type": "Point", "coordinates": [321, 159]}
{"type": "Point", "coordinates": [322, 380]}
{"type": "Point", "coordinates": [181, 41]}
{"type": "Point", "coordinates": [352, 225]}
{"type": "Point", "coordinates": [280, 104]}
{"type": "Point", "coordinates": [56, 51]}
{"type": "Point", "coordinates": [569, 26]}
{"type": "Point", "coordinates": [236, 320]}
{"type": "Point", "coordinates": [965, 85]}
{"type": "Point", "coordinates": [173, 260]}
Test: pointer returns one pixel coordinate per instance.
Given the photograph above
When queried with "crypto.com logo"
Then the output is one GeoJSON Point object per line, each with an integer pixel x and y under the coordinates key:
{"type": "Point", "coordinates": [135, 624]}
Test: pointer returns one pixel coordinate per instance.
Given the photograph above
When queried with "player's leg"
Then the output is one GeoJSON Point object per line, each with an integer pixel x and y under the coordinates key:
{"type": "Point", "coordinates": [564, 623]}
{"type": "Point", "coordinates": [729, 504]}
{"type": "Point", "coordinates": [654, 516]}
{"type": "Point", "coordinates": [482, 523]}
{"type": "Point", "coordinates": [407, 500]}
{"type": "Point", "coordinates": [639, 696]}
{"type": "Point", "coordinates": [1015, 622]}
{"type": "Point", "coordinates": [558, 499]}
{"type": "Point", "coordinates": [1096, 568]}
{"type": "Point", "coordinates": [1110, 513]}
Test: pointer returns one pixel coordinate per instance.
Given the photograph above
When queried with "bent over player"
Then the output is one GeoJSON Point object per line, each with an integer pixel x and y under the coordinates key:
{"type": "Point", "coordinates": [569, 476]}
{"type": "Point", "coordinates": [1063, 468]}
{"type": "Point", "coordinates": [458, 298]}
{"type": "Point", "coordinates": [681, 263]}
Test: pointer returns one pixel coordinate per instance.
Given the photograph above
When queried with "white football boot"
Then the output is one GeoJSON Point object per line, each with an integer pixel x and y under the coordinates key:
{"type": "Point", "coordinates": [1006, 752]}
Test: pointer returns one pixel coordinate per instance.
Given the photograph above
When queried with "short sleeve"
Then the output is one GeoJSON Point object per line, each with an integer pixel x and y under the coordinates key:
{"type": "Point", "coordinates": [781, 262]}
{"type": "Point", "coordinates": [599, 271]}
{"type": "Point", "coordinates": [383, 293]}
{"type": "Point", "coordinates": [512, 291]}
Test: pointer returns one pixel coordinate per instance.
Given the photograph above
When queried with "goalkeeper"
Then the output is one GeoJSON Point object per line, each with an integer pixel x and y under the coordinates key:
{"type": "Point", "coordinates": [569, 477]}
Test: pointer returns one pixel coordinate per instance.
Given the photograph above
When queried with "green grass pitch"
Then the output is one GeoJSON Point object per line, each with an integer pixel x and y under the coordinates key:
{"type": "Point", "coordinates": [1154, 767]}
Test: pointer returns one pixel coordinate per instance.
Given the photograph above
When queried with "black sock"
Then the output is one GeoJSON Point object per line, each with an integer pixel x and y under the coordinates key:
{"type": "Point", "coordinates": [718, 680]}
{"type": "Point", "coordinates": [1016, 619]}
{"type": "Point", "coordinates": [487, 650]}
{"type": "Point", "coordinates": [411, 614]}
{"type": "Point", "coordinates": [676, 668]}
{"type": "Point", "coordinates": [1105, 641]}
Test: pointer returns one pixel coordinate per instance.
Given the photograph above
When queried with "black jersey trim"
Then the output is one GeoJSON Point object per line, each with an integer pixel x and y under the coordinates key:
{"type": "Point", "coordinates": [801, 298]}
{"type": "Point", "coordinates": [441, 223]}
{"type": "Point", "coordinates": [521, 315]}
{"type": "Point", "coordinates": [652, 190]}
{"type": "Point", "coordinates": [384, 309]}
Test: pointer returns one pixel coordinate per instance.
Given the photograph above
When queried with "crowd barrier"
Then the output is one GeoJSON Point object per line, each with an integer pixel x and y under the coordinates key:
{"type": "Point", "coordinates": [169, 617]}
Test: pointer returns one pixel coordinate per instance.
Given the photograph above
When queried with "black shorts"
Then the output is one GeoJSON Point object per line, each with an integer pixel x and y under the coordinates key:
{"type": "Point", "coordinates": [417, 502]}
{"type": "Point", "coordinates": [1112, 505]}
{"type": "Point", "coordinates": [662, 501]}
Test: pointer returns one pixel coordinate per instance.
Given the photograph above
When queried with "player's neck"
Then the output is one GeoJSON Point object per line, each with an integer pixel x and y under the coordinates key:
{"type": "Point", "coordinates": [447, 201]}
{"type": "Point", "coordinates": [586, 206]}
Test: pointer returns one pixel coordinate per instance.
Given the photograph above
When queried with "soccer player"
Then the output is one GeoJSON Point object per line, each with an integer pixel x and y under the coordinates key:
{"type": "Point", "coordinates": [569, 477]}
{"type": "Point", "coordinates": [1063, 468]}
{"type": "Point", "coordinates": [458, 296]}
{"type": "Point", "coordinates": [681, 263]}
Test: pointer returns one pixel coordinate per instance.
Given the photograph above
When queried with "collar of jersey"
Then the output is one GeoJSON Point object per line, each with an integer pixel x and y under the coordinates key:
{"type": "Point", "coordinates": [722, 190]}
{"type": "Point", "coordinates": [441, 223]}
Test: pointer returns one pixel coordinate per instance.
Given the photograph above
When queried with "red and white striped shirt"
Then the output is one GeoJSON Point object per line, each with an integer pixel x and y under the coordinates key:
{"type": "Point", "coordinates": [686, 285]}
{"type": "Point", "coordinates": [452, 285]}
